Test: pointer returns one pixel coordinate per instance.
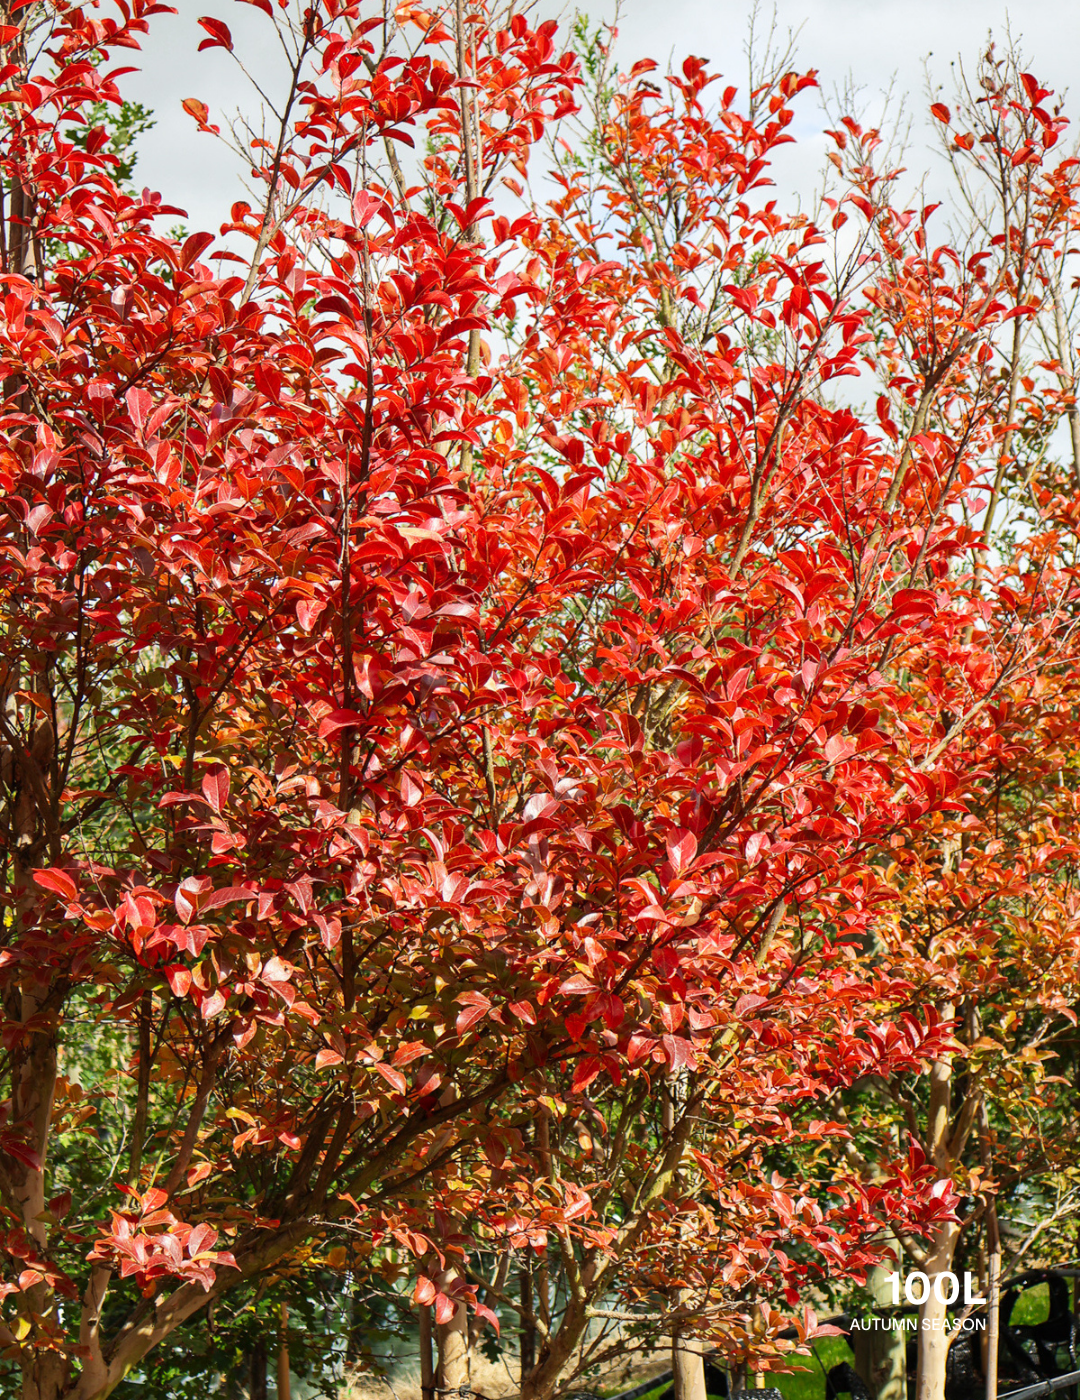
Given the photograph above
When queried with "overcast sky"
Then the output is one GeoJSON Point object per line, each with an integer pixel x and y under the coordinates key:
{"type": "Point", "coordinates": [875, 41]}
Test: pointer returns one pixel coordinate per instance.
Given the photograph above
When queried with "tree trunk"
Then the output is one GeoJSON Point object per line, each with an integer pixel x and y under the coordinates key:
{"type": "Point", "coordinates": [34, 1061]}
{"type": "Point", "coordinates": [284, 1381]}
{"type": "Point", "coordinates": [880, 1357]}
{"type": "Point", "coordinates": [258, 1371]}
{"type": "Point", "coordinates": [556, 1352]}
{"type": "Point", "coordinates": [527, 1341]}
{"type": "Point", "coordinates": [933, 1338]}
{"type": "Point", "coordinates": [993, 1310]}
{"type": "Point", "coordinates": [687, 1362]}
{"type": "Point", "coordinates": [453, 1339]}
{"type": "Point", "coordinates": [993, 1248]}
{"type": "Point", "coordinates": [45, 1377]}
{"type": "Point", "coordinates": [427, 1361]}
{"type": "Point", "coordinates": [687, 1368]}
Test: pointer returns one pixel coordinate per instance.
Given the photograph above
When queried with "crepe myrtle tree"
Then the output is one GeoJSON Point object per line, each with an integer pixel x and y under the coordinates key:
{"type": "Point", "coordinates": [452, 674]}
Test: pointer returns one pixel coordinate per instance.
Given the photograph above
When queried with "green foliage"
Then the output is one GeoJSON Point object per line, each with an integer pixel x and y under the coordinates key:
{"type": "Point", "coordinates": [1032, 1307]}
{"type": "Point", "coordinates": [123, 128]}
{"type": "Point", "coordinates": [215, 1349]}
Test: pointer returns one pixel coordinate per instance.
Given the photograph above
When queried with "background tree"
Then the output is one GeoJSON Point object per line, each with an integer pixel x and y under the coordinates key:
{"type": "Point", "coordinates": [986, 928]}
{"type": "Point", "coordinates": [462, 677]}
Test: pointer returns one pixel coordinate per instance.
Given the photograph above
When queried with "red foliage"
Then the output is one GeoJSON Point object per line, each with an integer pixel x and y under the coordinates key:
{"type": "Point", "coordinates": [456, 669]}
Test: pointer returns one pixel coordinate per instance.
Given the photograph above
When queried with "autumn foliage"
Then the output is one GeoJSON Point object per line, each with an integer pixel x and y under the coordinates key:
{"type": "Point", "coordinates": [481, 714]}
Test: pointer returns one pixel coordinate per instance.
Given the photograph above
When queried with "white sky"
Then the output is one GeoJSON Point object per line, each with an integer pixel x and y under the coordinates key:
{"type": "Point", "coordinates": [873, 41]}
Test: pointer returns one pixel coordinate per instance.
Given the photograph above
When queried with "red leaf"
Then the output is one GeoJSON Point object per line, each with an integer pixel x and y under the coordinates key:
{"type": "Point", "coordinates": [215, 787]}
{"type": "Point", "coordinates": [194, 246]}
{"type": "Point", "coordinates": [585, 1073]}
{"type": "Point", "coordinates": [187, 897]}
{"type": "Point", "coordinates": [220, 38]}
{"type": "Point", "coordinates": [21, 1150]}
{"type": "Point", "coordinates": [916, 602]}
{"type": "Point", "coordinates": [59, 881]}
{"type": "Point", "coordinates": [424, 1292]}
{"type": "Point", "coordinates": [680, 1053]}
{"type": "Point", "coordinates": [485, 1312]}
{"type": "Point", "coordinates": [59, 1206]}
{"type": "Point", "coordinates": [194, 108]}
{"type": "Point", "coordinates": [411, 788]}
{"type": "Point", "coordinates": [307, 612]}
{"type": "Point", "coordinates": [228, 894]}
{"type": "Point", "coordinates": [212, 1006]}
{"type": "Point", "coordinates": [476, 1006]}
{"type": "Point", "coordinates": [340, 719]}
{"type": "Point", "coordinates": [201, 1239]}
{"type": "Point", "coordinates": [393, 1077]}
{"type": "Point", "coordinates": [940, 111]}
{"type": "Point", "coordinates": [139, 403]}
{"type": "Point", "coordinates": [576, 1025]}
{"type": "Point", "coordinates": [611, 1008]}
{"type": "Point", "coordinates": [681, 849]}
{"type": "Point", "coordinates": [179, 979]}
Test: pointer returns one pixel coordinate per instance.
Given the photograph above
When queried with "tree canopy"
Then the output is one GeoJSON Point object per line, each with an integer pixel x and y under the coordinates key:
{"type": "Point", "coordinates": [522, 792]}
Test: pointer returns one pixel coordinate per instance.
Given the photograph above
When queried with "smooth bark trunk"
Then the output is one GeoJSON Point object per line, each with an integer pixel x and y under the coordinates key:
{"type": "Point", "coordinates": [453, 1341]}
{"type": "Point", "coordinates": [687, 1368]}
{"type": "Point", "coordinates": [880, 1356]}
{"type": "Point", "coordinates": [427, 1360]}
{"type": "Point", "coordinates": [284, 1379]}
{"type": "Point", "coordinates": [933, 1338]}
{"type": "Point", "coordinates": [527, 1340]}
{"type": "Point", "coordinates": [993, 1309]}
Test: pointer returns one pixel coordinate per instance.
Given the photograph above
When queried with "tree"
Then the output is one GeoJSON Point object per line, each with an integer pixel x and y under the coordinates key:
{"type": "Point", "coordinates": [446, 687]}
{"type": "Point", "coordinates": [986, 927]}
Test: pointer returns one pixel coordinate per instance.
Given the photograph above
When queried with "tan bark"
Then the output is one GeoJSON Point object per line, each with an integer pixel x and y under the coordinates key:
{"type": "Point", "coordinates": [453, 1343]}
{"type": "Point", "coordinates": [687, 1363]}
{"type": "Point", "coordinates": [993, 1246]}
{"type": "Point", "coordinates": [555, 1355]}
{"type": "Point", "coordinates": [527, 1343]}
{"type": "Point", "coordinates": [427, 1362]}
{"type": "Point", "coordinates": [687, 1368]}
{"type": "Point", "coordinates": [993, 1320]}
{"type": "Point", "coordinates": [933, 1338]}
{"type": "Point", "coordinates": [879, 1355]}
{"type": "Point", "coordinates": [284, 1379]}
{"type": "Point", "coordinates": [34, 1062]}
